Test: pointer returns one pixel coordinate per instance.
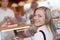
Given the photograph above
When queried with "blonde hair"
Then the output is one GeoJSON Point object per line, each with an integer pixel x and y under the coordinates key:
{"type": "Point", "coordinates": [49, 20]}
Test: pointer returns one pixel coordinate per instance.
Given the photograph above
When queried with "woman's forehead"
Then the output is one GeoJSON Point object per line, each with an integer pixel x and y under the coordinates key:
{"type": "Point", "coordinates": [39, 11]}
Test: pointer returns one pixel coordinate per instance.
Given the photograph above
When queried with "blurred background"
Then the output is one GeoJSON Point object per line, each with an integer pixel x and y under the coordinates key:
{"type": "Point", "coordinates": [20, 7]}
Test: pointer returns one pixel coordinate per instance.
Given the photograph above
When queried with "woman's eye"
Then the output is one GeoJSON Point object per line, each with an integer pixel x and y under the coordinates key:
{"type": "Point", "coordinates": [39, 16]}
{"type": "Point", "coordinates": [34, 15]}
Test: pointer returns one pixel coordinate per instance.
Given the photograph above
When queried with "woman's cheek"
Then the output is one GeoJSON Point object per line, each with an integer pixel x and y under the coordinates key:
{"type": "Point", "coordinates": [41, 21]}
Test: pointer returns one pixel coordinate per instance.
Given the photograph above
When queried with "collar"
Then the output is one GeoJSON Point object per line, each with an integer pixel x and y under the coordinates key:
{"type": "Point", "coordinates": [41, 28]}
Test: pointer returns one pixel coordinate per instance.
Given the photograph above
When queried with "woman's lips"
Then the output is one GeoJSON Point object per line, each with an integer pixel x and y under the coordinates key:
{"type": "Point", "coordinates": [36, 21]}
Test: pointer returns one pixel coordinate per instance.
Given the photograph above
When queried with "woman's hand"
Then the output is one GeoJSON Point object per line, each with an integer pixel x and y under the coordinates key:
{"type": "Point", "coordinates": [6, 19]}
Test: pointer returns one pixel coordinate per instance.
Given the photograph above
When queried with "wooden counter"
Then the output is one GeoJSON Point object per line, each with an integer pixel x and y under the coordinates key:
{"type": "Point", "coordinates": [19, 26]}
{"type": "Point", "coordinates": [57, 37]}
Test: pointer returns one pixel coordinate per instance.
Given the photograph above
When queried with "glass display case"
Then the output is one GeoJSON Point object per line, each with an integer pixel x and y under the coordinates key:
{"type": "Point", "coordinates": [21, 32]}
{"type": "Point", "coordinates": [57, 25]}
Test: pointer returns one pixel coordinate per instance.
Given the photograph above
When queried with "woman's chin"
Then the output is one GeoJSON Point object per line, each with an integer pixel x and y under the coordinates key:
{"type": "Point", "coordinates": [37, 24]}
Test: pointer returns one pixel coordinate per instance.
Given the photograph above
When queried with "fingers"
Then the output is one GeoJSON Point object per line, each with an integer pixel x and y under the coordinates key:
{"type": "Point", "coordinates": [6, 18]}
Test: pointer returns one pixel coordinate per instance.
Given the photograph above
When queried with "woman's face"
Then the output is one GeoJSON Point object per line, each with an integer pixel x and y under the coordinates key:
{"type": "Point", "coordinates": [39, 17]}
{"type": "Point", "coordinates": [4, 3]}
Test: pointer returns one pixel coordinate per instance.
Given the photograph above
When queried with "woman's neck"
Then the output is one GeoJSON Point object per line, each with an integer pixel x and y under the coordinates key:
{"type": "Point", "coordinates": [4, 8]}
{"type": "Point", "coordinates": [41, 26]}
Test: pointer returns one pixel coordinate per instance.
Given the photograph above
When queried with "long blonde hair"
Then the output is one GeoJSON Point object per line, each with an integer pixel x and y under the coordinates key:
{"type": "Point", "coordinates": [49, 20]}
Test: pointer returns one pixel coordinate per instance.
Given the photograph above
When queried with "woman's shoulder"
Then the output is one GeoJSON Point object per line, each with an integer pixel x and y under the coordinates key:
{"type": "Point", "coordinates": [38, 36]}
{"type": "Point", "coordinates": [43, 28]}
{"type": "Point", "coordinates": [38, 33]}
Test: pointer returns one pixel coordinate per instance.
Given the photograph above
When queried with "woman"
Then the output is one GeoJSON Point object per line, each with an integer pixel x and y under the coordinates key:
{"type": "Point", "coordinates": [44, 24]}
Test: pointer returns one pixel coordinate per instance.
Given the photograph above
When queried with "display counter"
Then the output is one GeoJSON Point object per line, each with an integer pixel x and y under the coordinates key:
{"type": "Point", "coordinates": [18, 26]}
